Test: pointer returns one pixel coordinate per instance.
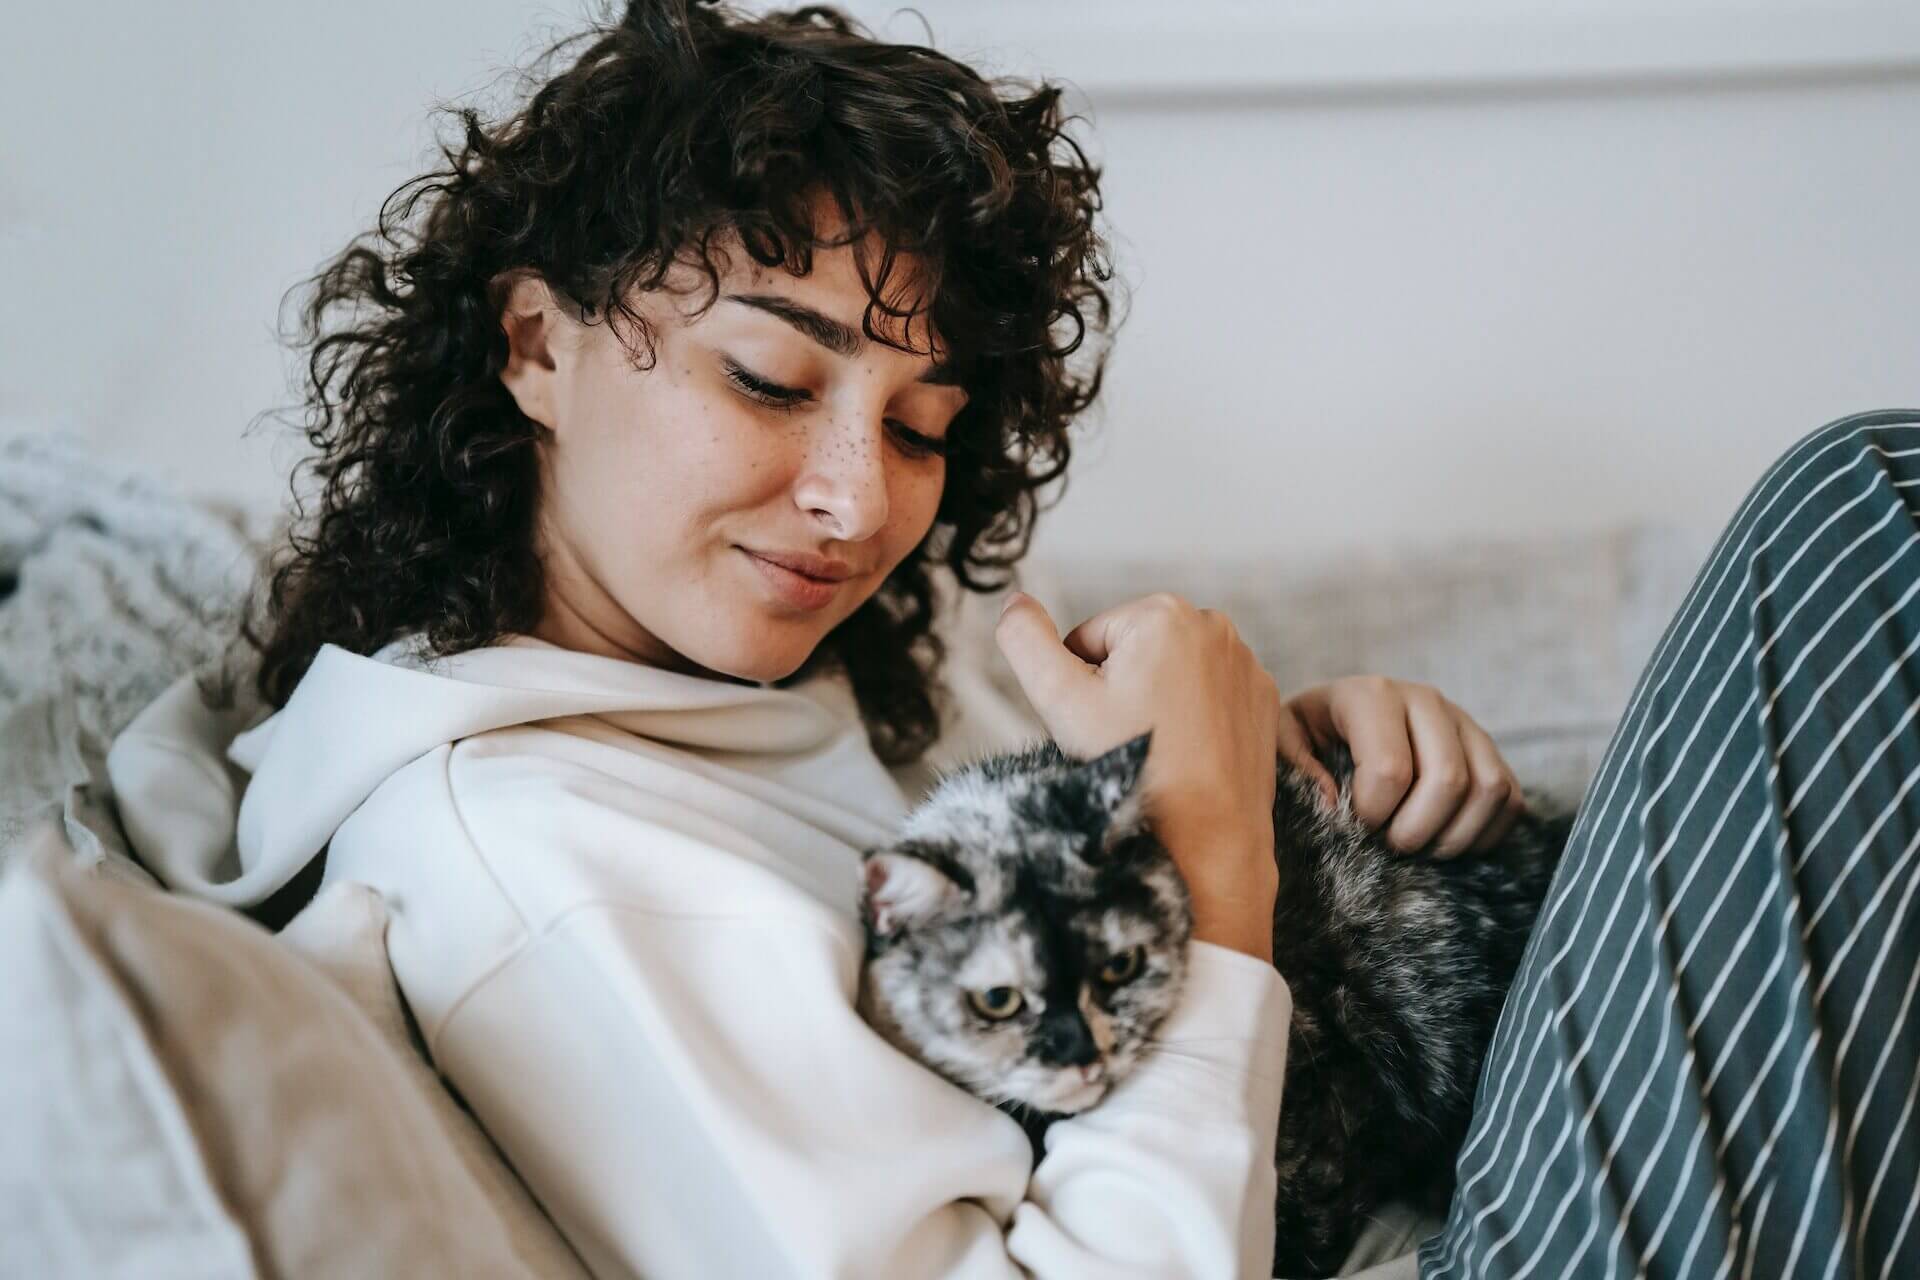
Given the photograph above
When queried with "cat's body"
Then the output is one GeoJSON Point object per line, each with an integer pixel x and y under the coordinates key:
{"type": "Point", "coordinates": [1398, 966]}
{"type": "Point", "coordinates": [1036, 874]}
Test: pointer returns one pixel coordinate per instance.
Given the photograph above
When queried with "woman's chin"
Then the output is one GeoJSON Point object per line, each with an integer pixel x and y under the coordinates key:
{"type": "Point", "coordinates": [764, 657]}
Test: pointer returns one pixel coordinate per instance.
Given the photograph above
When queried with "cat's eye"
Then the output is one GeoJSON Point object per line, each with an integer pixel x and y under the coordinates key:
{"type": "Point", "coordinates": [1124, 967]}
{"type": "Point", "coordinates": [997, 1003]}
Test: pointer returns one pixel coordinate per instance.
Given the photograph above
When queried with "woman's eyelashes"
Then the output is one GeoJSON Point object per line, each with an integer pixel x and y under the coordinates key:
{"type": "Point", "coordinates": [787, 399]}
{"type": "Point", "coordinates": [771, 394]}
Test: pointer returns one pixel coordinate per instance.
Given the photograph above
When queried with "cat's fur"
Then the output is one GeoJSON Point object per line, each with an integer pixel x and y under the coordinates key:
{"type": "Point", "coordinates": [1031, 872]}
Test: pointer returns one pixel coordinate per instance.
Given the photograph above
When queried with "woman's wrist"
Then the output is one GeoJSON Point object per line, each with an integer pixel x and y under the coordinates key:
{"type": "Point", "coordinates": [1232, 880]}
{"type": "Point", "coordinates": [1236, 930]}
{"type": "Point", "coordinates": [1237, 914]}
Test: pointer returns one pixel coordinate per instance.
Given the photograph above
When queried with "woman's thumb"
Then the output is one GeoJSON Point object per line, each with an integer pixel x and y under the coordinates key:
{"type": "Point", "coordinates": [1296, 749]}
{"type": "Point", "coordinates": [1030, 642]}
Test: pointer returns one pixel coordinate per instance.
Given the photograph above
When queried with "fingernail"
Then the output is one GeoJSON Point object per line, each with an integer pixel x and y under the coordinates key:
{"type": "Point", "coordinates": [1008, 603]}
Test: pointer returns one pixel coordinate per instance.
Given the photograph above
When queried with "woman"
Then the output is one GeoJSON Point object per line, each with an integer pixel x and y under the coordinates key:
{"type": "Point", "coordinates": [636, 448]}
{"type": "Point", "coordinates": [636, 452]}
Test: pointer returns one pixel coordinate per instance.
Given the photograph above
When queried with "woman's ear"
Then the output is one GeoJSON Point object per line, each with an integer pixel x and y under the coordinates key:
{"type": "Point", "coordinates": [529, 317]}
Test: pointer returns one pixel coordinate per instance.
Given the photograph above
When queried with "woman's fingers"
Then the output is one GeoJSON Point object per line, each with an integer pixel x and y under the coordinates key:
{"type": "Point", "coordinates": [1094, 640]}
{"type": "Point", "coordinates": [1418, 761]}
{"type": "Point", "coordinates": [1295, 745]}
{"type": "Point", "coordinates": [1369, 715]}
{"type": "Point", "coordinates": [1510, 811]}
{"type": "Point", "coordinates": [1497, 830]}
{"type": "Point", "coordinates": [1047, 672]}
{"type": "Point", "coordinates": [1422, 769]}
{"type": "Point", "coordinates": [1441, 779]}
{"type": "Point", "coordinates": [1489, 809]}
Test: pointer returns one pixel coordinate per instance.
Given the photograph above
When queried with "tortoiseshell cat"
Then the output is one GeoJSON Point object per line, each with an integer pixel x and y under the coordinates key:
{"type": "Point", "coordinates": [1398, 966]}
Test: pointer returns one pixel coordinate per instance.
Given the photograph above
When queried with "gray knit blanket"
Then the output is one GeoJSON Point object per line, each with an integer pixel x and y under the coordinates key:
{"type": "Point", "coordinates": [110, 589]}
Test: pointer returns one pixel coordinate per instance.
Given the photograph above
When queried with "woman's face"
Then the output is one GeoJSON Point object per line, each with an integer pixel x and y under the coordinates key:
{"type": "Point", "coordinates": [767, 426]}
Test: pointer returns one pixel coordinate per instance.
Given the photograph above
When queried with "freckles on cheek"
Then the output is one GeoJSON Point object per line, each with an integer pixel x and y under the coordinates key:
{"type": "Point", "coordinates": [928, 499]}
{"type": "Point", "coordinates": [695, 453]}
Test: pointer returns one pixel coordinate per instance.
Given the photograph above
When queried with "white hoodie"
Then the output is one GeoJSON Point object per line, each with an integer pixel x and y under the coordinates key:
{"type": "Point", "coordinates": [624, 914]}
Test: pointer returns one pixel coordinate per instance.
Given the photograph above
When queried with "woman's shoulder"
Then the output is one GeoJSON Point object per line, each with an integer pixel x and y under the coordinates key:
{"type": "Point", "coordinates": [560, 816]}
{"type": "Point", "coordinates": [486, 844]}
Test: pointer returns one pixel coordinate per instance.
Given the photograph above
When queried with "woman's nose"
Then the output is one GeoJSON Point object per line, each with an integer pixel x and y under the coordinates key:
{"type": "Point", "coordinates": [845, 481]}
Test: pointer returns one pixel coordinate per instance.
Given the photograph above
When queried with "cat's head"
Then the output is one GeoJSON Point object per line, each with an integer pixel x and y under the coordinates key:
{"type": "Point", "coordinates": [1027, 933]}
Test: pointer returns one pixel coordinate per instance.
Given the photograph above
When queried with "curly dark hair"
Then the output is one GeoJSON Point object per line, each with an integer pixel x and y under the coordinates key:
{"type": "Point", "coordinates": [683, 123]}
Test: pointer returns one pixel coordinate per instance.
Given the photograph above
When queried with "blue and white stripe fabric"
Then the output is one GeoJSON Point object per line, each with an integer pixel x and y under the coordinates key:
{"type": "Point", "coordinates": [1708, 1064]}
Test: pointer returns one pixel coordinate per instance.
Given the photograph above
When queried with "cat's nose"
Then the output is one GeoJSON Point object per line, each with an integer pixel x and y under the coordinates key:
{"type": "Point", "coordinates": [1091, 1072]}
{"type": "Point", "coordinates": [1066, 1042]}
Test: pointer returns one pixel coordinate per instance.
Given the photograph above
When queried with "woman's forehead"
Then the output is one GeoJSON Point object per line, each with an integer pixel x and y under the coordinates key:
{"type": "Point", "coordinates": [828, 304]}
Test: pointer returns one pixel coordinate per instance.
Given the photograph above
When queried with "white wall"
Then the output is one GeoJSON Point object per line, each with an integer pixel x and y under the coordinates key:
{"type": "Point", "coordinates": [1479, 275]}
{"type": "Point", "coordinates": [1386, 321]}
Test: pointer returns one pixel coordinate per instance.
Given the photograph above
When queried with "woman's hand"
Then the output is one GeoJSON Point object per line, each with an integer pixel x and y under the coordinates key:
{"type": "Point", "coordinates": [1417, 759]}
{"type": "Point", "coordinates": [1217, 719]}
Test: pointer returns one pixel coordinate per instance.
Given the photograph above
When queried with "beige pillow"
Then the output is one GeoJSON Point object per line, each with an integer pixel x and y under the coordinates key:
{"type": "Point", "coordinates": [183, 1095]}
{"type": "Point", "coordinates": [343, 933]}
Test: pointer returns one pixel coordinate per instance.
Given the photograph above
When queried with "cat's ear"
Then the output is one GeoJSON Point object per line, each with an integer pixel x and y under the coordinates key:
{"type": "Point", "coordinates": [898, 889]}
{"type": "Point", "coordinates": [1115, 779]}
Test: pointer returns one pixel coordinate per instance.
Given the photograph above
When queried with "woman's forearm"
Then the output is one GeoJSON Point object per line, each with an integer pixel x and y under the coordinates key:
{"type": "Point", "coordinates": [1231, 877]}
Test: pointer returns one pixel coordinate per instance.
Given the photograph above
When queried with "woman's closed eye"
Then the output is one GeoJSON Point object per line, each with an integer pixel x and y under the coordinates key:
{"type": "Point", "coordinates": [787, 399]}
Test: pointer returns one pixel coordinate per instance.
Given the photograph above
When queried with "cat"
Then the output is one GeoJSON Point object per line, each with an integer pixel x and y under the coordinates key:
{"type": "Point", "coordinates": [1027, 933]}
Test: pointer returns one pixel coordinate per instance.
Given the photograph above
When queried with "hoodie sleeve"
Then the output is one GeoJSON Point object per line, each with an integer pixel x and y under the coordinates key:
{"type": "Point", "coordinates": [674, 1064]}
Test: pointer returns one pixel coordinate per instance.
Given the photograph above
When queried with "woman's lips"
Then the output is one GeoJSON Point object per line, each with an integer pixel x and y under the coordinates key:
{"type": "Point", "coordinates": [796, 589]}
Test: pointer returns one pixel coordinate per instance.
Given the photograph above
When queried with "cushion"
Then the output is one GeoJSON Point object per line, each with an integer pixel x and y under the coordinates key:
{"type": "Point", "coordinates": [183, 1095]}
{"type": "Point", "coordinates": [343, 933]}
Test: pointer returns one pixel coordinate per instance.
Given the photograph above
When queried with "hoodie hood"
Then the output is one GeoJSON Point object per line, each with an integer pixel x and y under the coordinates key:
{"type": "Point", "coordinates": [230, 811]}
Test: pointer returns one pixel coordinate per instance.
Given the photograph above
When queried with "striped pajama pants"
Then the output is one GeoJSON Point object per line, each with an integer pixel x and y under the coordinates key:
{"type": "Point", "coordinates": [1708, 1064]}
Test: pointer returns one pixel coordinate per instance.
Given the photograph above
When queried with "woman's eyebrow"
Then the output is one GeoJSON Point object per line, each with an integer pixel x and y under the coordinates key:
{"type": "Point", "coordinates": [842, 340]}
